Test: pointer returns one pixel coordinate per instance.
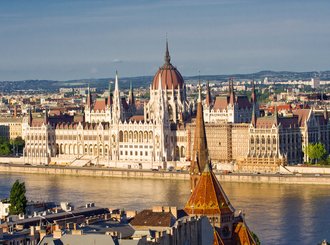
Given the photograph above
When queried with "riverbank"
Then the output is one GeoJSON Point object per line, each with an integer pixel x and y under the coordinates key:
{"type": "Point", "coordinates": [148, 174]}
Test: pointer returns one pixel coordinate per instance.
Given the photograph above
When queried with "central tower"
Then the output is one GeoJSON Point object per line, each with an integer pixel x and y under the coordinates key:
{"type": "Point", "coordinates": [169, 83]}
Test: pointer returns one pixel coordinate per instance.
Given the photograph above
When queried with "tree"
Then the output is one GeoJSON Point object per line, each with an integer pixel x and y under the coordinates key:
{"type": "Point", "coordinates": [18, 144]}
{"type": "Point", "coordinates": [4, 146]}
{"type": "Point", "coordinates": [315, 151]}
{"type": "Point", "coordinates": [17, 198]}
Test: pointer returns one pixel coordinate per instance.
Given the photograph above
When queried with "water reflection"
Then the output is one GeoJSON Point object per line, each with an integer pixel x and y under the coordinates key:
{"type": "Point", "coordinates": [279, 214]}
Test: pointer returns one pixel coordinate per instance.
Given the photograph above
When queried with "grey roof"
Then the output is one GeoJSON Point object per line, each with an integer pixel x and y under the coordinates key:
{"type": "Point", "coordinates": [90, 239]}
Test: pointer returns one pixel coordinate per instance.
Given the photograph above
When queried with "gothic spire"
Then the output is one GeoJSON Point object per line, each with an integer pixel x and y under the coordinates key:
{"type": "Point", "coordinates": [167, 54]}
{"type": "Point", "coordinates": [89, 98]}
{"type": "Point", "coordinates": [110, 95]}
{"type": "Point", "coordinates": [131, 100]}
{"type": "Point", "coordinates": [116, 82]}
{"type": "Point", "coordinates": [232, 93]}
{"type": "Point", "coordinates": [200, 151]}
{"type": "Point", "coordinates": [253, 94]}
{"type": "Point", "coordinates": [30, 117]}
{"type": "Point", "coordinates": [208, 99]}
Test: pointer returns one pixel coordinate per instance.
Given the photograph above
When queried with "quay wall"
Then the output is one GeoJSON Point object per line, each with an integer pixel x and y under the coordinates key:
{"type": "Point", "coordinates": [145, 174]}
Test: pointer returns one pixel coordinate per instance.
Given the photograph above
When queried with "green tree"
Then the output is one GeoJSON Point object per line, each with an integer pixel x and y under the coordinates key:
{"type": "Point", "coordinates": [18, 144]}
{"type": "Point", "coordinates": [315, 151]}
{"type": "Point", "coordinates": [17, 198]}
{"type": "Point", "coordinates": [4, 146]}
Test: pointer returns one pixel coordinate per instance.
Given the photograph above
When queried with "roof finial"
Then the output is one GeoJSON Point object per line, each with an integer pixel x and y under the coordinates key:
{"type": "Point", "coordinates": [167, 53]}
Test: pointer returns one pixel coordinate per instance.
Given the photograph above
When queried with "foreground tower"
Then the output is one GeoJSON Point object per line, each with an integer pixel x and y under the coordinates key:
{"type": "Point", "coordinates": [200, 156]}
{"type": "Point", "coordinates": [208, 198]}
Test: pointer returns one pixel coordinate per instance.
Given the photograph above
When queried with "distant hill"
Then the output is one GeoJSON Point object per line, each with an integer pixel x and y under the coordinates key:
{"type": "Point", "coordinates": [144, 81]}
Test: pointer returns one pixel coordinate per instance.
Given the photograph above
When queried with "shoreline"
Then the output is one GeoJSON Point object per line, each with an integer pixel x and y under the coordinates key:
{"type": "Point", "coordinates": [148, 174]}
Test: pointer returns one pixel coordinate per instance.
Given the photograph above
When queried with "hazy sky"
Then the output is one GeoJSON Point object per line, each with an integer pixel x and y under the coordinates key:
{"type": "Point", "coordinates": [71, 39]}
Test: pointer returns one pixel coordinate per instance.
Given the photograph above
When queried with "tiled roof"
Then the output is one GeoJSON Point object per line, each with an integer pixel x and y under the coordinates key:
{"type": "Point", "coordinates": [208, 197]}
{"type": "Point", "coordinates": [149, 218]}
{"type": "Point", "coordinates": [221, 103]}
{"type": "Point", "coordinates": [100, 104]}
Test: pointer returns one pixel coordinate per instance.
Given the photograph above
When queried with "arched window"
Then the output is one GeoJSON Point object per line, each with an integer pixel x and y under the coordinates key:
{"type": "Point", "coordinates": [121, 136]}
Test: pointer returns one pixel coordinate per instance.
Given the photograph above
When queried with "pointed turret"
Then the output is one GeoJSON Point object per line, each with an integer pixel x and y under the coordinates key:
{"type": "Point", "coordinates": [253, 94]}
{"type": "Point", "coordinates": [167, 57]}
{"type": "Point", "coordinates": [131, 99]}
{"type": "Point", "coordinates": [116, 82]}
{"type": "Point", "coordinates": [109, 102]}
{"type": "Point", "coordinates": [208, 99]}
{"type": "Point", "coordinates": [30, 118]}
{"type": "Point", "coordinates": [89, 98]}
{"type": "Point", "coordinates": [200, 155]}
{"type": "Point", "coordinates": [117, 107]}
{"type": "Point", "coordinates": [46, 119]}
{"type": "Point", "coordinates": [232, 93]}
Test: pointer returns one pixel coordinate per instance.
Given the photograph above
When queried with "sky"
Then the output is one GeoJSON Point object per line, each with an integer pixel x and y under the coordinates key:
{"type": "Point", "coordinates": [74, 39]}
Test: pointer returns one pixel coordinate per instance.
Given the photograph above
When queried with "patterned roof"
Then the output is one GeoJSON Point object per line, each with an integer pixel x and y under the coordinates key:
{"type": "Point", "coordinates": [170, 76]}
{"type": "Point", "coordinates": [208, 197]}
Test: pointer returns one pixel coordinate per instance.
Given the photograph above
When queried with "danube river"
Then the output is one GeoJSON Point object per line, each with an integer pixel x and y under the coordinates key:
{"type": "Point", "coordinates": [278, 214]}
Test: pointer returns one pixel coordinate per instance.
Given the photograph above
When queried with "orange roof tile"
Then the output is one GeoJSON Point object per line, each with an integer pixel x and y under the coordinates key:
{"type": "Point", "coordinates": [208, 197]}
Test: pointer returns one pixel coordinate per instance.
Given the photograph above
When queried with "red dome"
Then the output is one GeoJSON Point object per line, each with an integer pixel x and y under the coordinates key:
{"type": "Point", "coordinates": [170, 76]}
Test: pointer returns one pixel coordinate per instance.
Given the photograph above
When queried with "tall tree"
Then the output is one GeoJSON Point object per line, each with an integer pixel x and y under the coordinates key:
{"type": "Point", "coordinates": [315, 151]}
{"type": "Point", "coordinates": [17, 198]}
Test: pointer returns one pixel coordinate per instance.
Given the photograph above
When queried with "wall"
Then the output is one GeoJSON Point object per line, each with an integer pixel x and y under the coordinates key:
{"type": "Point", "coordinates": [144, 174]}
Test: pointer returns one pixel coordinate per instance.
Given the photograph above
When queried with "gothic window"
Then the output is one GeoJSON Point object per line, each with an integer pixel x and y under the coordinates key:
{"type": "Point", "coordinates": [121, 136]}
{"type": "Point", "coordinates": [145, 136]}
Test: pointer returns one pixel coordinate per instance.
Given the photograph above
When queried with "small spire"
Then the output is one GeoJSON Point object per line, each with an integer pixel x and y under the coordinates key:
{"type": "Point", "coordinates": [232, 93]}
{"type": "Point", "coordinates": [167, 54]}
{"type": "Point", "coordinates": [89, 97]}
{"type": "Point", "coordinates": [30, 117]}
{"type": "Point", "coordinates": [116, 81]}
{"type": "Point", "coordinates": [253, 93]}
{"type": "Point", "coordinates": [208, 100]}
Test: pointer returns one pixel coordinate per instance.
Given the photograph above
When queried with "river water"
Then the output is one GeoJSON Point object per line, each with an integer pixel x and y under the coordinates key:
{"type": "Point", "coordinates": [278, 214]}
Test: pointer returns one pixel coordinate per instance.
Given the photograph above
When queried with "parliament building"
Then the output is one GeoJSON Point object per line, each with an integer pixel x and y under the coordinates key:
{"type": "Point", "coordinates": [112, 132]}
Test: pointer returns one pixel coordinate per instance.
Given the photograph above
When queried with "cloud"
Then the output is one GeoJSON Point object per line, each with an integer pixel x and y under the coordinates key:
{"type": "Point", "coordinates": [117, 61]}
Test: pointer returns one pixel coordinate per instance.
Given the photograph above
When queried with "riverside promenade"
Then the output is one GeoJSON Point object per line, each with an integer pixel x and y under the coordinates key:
{"type": "Point", "coordinates": [314, 179]}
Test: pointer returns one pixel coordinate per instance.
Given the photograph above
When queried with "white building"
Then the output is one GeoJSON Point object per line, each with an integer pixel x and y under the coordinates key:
{"type": "Point", "coordinates": [112, 134]}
